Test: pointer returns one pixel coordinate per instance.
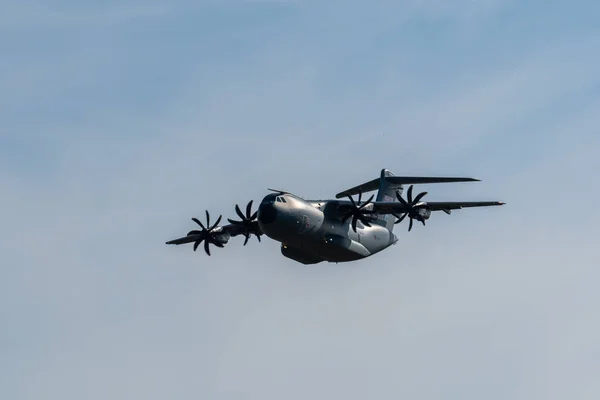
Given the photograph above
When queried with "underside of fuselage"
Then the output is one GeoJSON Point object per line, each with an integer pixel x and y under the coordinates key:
{"type": "Point", "coordinates": [310, 233]}
{"type": "Point", "coordinates": [313, 254]}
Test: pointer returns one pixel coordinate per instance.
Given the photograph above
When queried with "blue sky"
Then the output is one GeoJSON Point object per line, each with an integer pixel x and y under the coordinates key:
{"type": "Point", "coordinates": [121, 120]}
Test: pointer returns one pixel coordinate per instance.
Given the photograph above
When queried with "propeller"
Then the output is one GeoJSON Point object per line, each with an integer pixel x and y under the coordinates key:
{"type": "Point", "coordinates": [413, 207]}
{"type": "Point", "coordinates": [207, 234]}
{"type": "Point", "coordinates": [358, 212]}
{"type": "Point", "coordinates": [248, 222]}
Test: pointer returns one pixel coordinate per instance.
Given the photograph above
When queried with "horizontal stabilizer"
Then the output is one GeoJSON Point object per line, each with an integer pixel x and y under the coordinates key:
{"type": "Point", "coordinates": [365, 187]}
{"type": "Point", "coordinates": [410, 180]}
{"type": "Point", "coordinates": [400, 180]}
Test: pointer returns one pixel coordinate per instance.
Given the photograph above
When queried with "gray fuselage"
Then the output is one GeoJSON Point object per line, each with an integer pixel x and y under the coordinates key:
{"type": "Point", "coordinates": [311, 231]}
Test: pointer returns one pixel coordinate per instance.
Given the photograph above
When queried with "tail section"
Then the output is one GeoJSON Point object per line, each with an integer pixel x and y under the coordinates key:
{"type": "Point", "coordinates": [387, 192]}
{"type": "Point", "coordinates": [387, 185]}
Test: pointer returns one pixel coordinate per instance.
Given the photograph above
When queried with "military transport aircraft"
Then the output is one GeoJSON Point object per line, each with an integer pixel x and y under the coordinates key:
{"type": "Point", "coordinates": [312, 231]}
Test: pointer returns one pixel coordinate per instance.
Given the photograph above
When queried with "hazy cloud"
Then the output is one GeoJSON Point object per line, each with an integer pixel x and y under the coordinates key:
{"type": "Point", "coordinates": [106, 152]}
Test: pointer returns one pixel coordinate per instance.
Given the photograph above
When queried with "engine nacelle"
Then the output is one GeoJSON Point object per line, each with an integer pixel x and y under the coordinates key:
{"type": "Point", "coordinates": [368, 207]}
{"type": "Point", "coordinates": [220, 235]}
{"type": "Point", "coordinates": [423, 213]}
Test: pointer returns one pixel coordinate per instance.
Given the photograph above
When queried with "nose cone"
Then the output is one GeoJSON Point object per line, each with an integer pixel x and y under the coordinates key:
{"type": "Point", "coordinates": [267, 213]}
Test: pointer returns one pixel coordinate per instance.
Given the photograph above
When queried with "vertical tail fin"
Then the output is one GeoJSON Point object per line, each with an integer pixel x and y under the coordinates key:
{"type": "Point", "coordinates": [387, 192]}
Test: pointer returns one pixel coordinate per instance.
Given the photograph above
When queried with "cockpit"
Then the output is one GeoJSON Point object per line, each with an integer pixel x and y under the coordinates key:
{"type": "Point", "coordinates": [267, 212]}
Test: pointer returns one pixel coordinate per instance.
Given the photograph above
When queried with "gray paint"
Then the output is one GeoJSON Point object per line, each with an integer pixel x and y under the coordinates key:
{"type": "Point", "coordinates": [313, 231]}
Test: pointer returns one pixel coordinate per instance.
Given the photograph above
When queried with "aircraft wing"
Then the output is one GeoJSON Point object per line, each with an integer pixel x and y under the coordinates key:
{"type": "Point", "coordinates": [230, 230]}
{"type": "Point", "coordinates": [384, 207]}
{"type": "Point", "coordinates": [380, 207]}
{"type": "Point", "coordinates": [184, 240]}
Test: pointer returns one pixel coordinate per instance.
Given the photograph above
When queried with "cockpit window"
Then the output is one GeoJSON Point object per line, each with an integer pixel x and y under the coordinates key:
{"type": "Point", "coordinates": [280, 200]}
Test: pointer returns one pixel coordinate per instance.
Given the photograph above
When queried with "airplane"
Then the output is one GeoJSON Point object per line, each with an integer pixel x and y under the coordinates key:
{"type": "Point", "coordinates": [335, 230]}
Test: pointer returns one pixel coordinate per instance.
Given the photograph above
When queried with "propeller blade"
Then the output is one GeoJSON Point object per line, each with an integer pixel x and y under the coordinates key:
{"type": "Point", "coordinates": [401, 218]}
{"type": "Point", "coordinates": [216, 223]}
{"type": "Point", "coordinates": [366, 202]}
{"type": "Point", "coordinates": [419, 197]}
{"type": "Point", "coordinates": [247, 221]}
{"type": "Point", "coordinates": [352, 201]}
{"type": "Point", "coordinates": [198, 222]}
{"type": "Point", "coordinates": [249, 209]}
{"type": "Point", "coordinates": [239, 212]}
{"type": "Point", "coordinates": [197, 243]}
{"type": "Point", "coordinates": [400, 199]}
{"type": "Point", "coordinates": [357, 212]}
{"type": "Point", "coordinates": [207, 218]}
{"type": "Point", "coordinates": [206, 249]}
{"type": "Point", "coordinates": [412, 205]}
